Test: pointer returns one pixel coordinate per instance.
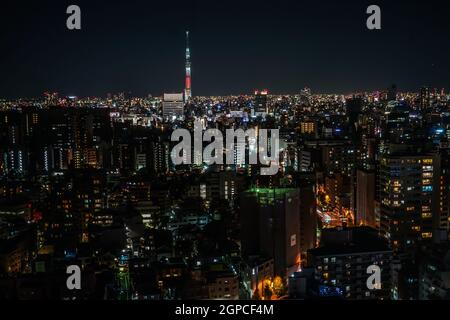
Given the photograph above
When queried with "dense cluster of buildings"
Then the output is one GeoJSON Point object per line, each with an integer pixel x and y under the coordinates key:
{"type": "Point", "coordinates": [363, 180]}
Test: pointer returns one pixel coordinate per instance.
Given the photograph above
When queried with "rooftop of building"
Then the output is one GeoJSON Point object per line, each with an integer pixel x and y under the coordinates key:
{"type": "Point", "coordinates": [345, 241]}
{"type": "Point", "coordinates": [271, 191]}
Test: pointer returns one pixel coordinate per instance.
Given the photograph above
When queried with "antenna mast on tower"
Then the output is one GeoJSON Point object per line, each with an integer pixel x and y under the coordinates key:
{"type": "Point", "coordinates": [188, 89]}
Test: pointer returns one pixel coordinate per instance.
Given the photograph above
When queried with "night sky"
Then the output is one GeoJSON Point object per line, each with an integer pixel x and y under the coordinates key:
{"type": "Point", "coordinates": [237, 46]}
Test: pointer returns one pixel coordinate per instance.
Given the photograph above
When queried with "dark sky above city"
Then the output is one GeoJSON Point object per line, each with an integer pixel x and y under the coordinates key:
{"type": "Point", "coordinates": [237, 46]}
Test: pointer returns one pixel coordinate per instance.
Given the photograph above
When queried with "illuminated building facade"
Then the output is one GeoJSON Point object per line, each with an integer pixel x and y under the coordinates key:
{"type": "Point", "coordinates": [173, 105]}
{"type": "Point", "coordinates": [261, 102]}
{"type": "Point", "coordinates": [340, 264]}
{"type": "Point", "coordinates": [407, 181]}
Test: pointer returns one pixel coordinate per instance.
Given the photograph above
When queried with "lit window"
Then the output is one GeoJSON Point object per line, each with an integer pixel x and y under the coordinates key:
{"type": "Point", "coordinates": [427, 235]}
{"type": "Point", "coordinates": [426, 214]}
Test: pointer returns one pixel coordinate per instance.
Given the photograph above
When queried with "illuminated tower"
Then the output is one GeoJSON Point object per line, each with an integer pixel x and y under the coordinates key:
{"type": "Point", "coordinates": [188, 90]}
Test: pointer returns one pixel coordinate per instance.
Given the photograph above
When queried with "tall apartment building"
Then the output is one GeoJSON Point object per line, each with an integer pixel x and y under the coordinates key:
{"type": "Point", "coordinates": [408, 178]}
{"type": "Point", "coordinates": [341, 262]}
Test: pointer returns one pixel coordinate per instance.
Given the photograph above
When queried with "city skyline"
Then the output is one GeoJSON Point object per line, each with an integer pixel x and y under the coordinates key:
{"type": "Point", "coordinates": [196, 151]}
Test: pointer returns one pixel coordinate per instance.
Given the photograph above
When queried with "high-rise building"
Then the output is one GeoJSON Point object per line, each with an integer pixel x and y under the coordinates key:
{"type": "Point", "coordinates": [270, 227]}
{"type": "Point", "coordinates": [308, 128]}
{"type": "Point", "coordinates": [442, 218]}
{"type": "Point", "coordinates": [354, 108]}
{"type": "Point", "coordinates": [342, 260]}
{"type": "Point", "coordinates": [407, 181]}
{"type": "Point", "coordinates": [425, 98]}
{"type": "Point", "coordinates": [339, 198]}
{"type": "Point", "coordinates": [392, 93]}
{"type": "Point", "coordinates": [89, 129]}
{"type": "Point", "coordinates": [337, 156]}
{"type": "Point", "coordinates": [365, 199]}
{"type": "Point", "coordinates": [398, 125]}
{"type": "Point", "coordinates": [261, 106]}
{"type": "Point", "coordinates": [160, 155]}
{"type": "Point", "coordinates": [173, 105]}
{"type": "Point", "coordinates": [308, 218]}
